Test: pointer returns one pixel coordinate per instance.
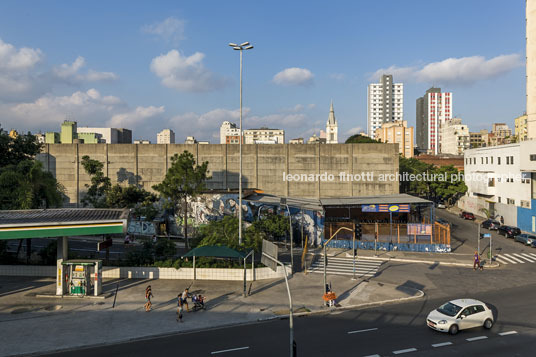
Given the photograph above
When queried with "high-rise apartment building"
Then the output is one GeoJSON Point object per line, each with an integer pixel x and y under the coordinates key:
{"type": "Point", "coordinates": [433, 110]}
{"type": "Point", "coordinates": [385, 103]}
{"type": "Point", "coordinates": [397, 133]}
{"type": "Point", "coordinates": [229, 133]}
{"type": "Point", "coordinates": [166, 136]}
{"type": "Point", "coordinates": [331, 127]}
{"type": "Point", "coordinates": [530, 13]}
{"type": "Point", "coordinates": [68, 132]}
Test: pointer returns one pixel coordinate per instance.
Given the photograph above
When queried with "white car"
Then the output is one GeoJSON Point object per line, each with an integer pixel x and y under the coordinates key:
{"type": "Point", "coordinates": [460, 314]}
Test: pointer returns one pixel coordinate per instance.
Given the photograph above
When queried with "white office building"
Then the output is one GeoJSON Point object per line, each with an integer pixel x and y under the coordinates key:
{"type": "Point", "coordinates": [455, 138]}
{"type": "Point", "coordinates": [166, 136]}
{"type": "Point", "coordinates": [502, 180]}
{"type": "Point", "coordinates": [264, 136]}
{"type": "Point", "coordinates": [385, 103]}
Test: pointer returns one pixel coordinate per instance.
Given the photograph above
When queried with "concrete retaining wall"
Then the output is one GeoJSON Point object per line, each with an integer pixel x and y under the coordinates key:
{"type": "Point", "coordinates": [263, 166]}
{"type": "Point", "coordinates": [151, 272]}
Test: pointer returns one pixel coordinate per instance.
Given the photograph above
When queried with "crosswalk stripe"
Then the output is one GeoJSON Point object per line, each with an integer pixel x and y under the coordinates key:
{"type": "Point", "coordinates": [344, 266]}
{"type": "Point", "coordinates": [498, 258]}
{"type": "Point", "coordinates": [532, 255]}
{"type": "Point", "coordinates": [526, 257]}
{"type": "Point", "coordinates": [505, 258]}
{"type": "Point", "coordinates": [514, 258]}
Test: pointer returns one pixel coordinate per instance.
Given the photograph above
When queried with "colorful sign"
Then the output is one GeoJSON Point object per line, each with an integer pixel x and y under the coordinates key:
{"type": "Point", "coordinates": [385, 208]}
{"type": "Point", "coordinates": [369, 208]}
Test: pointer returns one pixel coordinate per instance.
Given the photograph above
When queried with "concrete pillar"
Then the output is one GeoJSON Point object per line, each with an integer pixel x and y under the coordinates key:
{"type": "Point", "coordinates": [62, 252]}
{"type": "Point", "coordinates": [286, 168]}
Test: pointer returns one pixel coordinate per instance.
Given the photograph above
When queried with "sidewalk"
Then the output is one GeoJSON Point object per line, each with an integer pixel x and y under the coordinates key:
{"type": "Point", "coordinates": [452, 259]}
{"type": "Point", "coordinates": [32, 324]}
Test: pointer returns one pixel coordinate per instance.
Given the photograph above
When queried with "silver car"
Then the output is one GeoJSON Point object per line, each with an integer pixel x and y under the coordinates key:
{"type": "Point", "coordinates": [460, 314]}
{"type": "Point", "coordinates": [525, 238]}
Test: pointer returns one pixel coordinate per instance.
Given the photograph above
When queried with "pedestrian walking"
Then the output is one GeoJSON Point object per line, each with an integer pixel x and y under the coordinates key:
{"type": "Point", "coordinates": [184, 298]}
{"type": "Point", "coordinates": [476, 264]}
{"type": "Point", "coordinates": [502, 220]}
{"type": "Point", "coordinates": [179, 308]}
{"type": "Point", "coordinates": [148, 295]}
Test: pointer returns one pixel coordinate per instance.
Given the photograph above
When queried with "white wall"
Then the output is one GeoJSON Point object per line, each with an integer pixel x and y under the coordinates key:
{"type": "Point", "coordinates": [152, 273]}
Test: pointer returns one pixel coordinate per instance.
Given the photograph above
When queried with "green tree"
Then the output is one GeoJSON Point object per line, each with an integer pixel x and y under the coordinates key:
{"type": "Point", "coordinates": [360, 139]}
{"type": "Point", "coordinates": [15, 150]}
{"type": "Point", "coordinates": [184, 180]}
{"type": "Point", "coordinates": [128, 197]}
{"type": "Point", "coordinates": [450, 188]}
{"type": "Point", "coordinates": [225, 233]}
{"type": "Point", "coordinates": [415, 167]}
{"type": "Point", "coordinates": [100, 184]}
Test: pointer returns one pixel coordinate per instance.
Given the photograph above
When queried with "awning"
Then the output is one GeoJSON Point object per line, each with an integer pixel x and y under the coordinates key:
{"type": "Point", "coordinates": [215, 251]}
{"type": "Point", "coordinates": [64, 222]}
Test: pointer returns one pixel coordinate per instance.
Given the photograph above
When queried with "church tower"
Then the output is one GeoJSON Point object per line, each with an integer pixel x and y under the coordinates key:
{"type": "Point", "coordinates": [331, 127]}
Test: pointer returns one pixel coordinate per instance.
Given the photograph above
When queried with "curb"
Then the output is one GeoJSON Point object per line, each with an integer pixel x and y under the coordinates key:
{"type": "Point", "coordinates": [419, 295]}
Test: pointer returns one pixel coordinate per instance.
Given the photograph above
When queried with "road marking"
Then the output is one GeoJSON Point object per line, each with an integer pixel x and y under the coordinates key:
{"type": "Point", "coordinates": [476, 338]}
{"type": "Point", "coordinates": [507, 333]}
{"type": "Point", "coordinates": [404, 351]}
{"type": "Point", "coordinates": [16, 291]}
{"type": "Point", "coordinates": [230, 350]}
{"type": "Point", "coordinates": [528, 257]}
{"type": "Point", "coordinates": [442, 344]}
{"type": "Point", "coordinates": [499, 258]}
{"type": "Point", "coordinates": [532, 254]}
{"type": "Point", "coordinates": [523, 257]}
{"type": "Point", "coordinates": [514, 258]}
{"type": "Point", "coordinates": [366, 330]}
{"type": "Point", "coordinates": [372, 356]}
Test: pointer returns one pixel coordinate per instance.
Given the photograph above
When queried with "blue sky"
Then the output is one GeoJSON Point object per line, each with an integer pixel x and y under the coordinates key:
{"type": "Point", "coordinates": [166, 64]}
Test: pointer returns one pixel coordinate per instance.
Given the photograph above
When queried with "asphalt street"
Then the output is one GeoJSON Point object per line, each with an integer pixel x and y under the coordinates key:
{"type": "Point", "coordinates": [381, 331]}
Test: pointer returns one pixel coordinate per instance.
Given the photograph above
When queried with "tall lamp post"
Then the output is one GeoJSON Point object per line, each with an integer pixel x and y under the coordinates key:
{"type": "Point", "coordinates": [241, 48]}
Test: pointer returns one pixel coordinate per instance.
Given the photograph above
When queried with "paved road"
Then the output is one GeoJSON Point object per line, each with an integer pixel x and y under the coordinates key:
{"type": "Point", "coordinates": [464, 240]}
{"type": "Point", "coordinates": [383, 331]}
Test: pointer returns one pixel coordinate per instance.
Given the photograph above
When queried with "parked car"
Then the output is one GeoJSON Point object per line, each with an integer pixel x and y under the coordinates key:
{"type": "Point", "coordinates": [460, 314]}
{"type": "Point", "coordinates": [509, 231]}
{"type": "Point", "coordinates": [527, 239]}
{"type": "Point", "coordinates": [441, 205]}
{"type": "Point", "coordinates": [491, 224]}
{"type": "Point", "coordinates": [467, 215]}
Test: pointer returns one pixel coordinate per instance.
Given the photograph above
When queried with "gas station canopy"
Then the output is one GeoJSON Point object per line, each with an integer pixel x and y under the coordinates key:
{"type": "Point", "coordinates": [64, 222]}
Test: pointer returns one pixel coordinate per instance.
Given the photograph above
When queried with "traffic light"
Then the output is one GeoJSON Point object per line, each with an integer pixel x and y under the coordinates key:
{"type": "Point", "coordinates": [357, 232]}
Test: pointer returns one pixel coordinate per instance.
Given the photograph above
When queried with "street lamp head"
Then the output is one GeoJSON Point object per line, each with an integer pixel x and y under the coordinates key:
{"type": "Point", "coordinates": [232, 44]}
{"type": "Point", "coordinates": [244, 44]}
{"type": "Point", "coordinates": [237, 48]}
{"type": "Point", "coordinates": [248, 48]}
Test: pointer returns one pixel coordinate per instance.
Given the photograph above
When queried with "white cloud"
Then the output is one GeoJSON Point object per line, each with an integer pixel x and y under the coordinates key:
{"type": "Point", "coordinates": [294, 76]}
{"type": "Point", "coordinates": [48, 110]}
{"type": "Point", "coordinates": [171, 29]}
{"type": "Point", "coordinates": [186, 74]}
{"type": "Point", "coordinates": [22, 59]}
{"type": "Point", "coordinates": [464, 70]}
{"type": "Point", "coordinates": [135, 117]}
{"type": "Point", "coordinates": [71, 72]}
{"type": "Point", "coordinates": [276, 121]}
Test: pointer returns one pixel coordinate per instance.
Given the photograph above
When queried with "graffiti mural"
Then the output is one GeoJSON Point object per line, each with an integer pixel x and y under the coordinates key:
{"type": "Point", "coordinates": [141, 227]}
{"type": "Point", "coordinates": [207, 208]}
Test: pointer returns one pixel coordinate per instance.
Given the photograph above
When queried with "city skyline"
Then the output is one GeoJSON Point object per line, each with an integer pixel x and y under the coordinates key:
{"type": "Point", "coordinates": [170, 67]}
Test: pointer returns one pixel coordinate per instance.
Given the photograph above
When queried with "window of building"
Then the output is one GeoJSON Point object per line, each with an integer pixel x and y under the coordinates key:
{"type": "Point", "coordinates": [499, 199]}
{"type": "Point", "coordinates": [533, 157]}
{"type": "Point", "coordinates": [511, 160]}
{"type": "Point", "coordinates": [510, 201]}
{"type": "Point", "coordinates": [508, 160]}
{"type": "Point", "coordinates": [498, 160]}
{"type": "Point", "coordinates": [491, 159]}
{"type": "Point", "coordinates": [486, 160]}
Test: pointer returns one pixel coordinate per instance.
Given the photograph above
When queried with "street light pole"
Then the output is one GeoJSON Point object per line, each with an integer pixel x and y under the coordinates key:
{"type": "Point", "coordinates": [241, 47]}
{"type": "Point", "coordinates": [284, 202]}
